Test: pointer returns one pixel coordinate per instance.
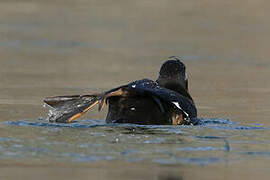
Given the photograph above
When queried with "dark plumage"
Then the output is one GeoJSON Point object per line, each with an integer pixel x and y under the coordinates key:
{"type": "Point", "coordinates": [164, 101]}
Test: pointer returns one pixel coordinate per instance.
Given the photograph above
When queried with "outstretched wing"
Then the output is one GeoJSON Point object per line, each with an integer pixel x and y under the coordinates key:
{"type": "Point", "coordinates": [65, 109]}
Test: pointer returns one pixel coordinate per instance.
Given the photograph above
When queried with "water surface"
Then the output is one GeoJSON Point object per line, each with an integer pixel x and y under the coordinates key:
{"type": "Point", "coordinates": [65, 47]}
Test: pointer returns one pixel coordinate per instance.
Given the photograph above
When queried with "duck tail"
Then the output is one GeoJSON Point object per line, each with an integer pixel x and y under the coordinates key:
{"type": "Point", "coordinates": [65, 109]}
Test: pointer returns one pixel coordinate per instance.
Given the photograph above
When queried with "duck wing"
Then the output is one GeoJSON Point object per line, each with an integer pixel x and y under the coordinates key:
{"type": "Point", "coordinates": [178, 102]}
{"type": "Point", "coordinates": [65, 109]}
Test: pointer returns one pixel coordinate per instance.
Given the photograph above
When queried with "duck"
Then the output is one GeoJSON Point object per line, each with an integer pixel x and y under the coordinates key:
{"type": "Point", "coordinates": [165, 101]}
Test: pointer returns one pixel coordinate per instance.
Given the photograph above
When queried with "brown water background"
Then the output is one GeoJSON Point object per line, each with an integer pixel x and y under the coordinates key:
{"type": "Point", "coordinates": [72, 47]}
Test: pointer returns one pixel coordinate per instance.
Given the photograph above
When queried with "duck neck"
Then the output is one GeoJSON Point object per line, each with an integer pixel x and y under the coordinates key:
{"type": "Point", "coordinates": [177, 87]}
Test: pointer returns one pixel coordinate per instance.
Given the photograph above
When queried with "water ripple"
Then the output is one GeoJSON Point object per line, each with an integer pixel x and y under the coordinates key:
{"type": "Point", "coordinates": [197, 161]}
{"type": "Point", "coordinates": [93, 140]}
{"type": "Point", "coordinates": [217, 123]}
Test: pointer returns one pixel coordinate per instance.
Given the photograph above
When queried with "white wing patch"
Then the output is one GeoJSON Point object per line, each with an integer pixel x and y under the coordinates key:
{"type": "Point", "coordinates": [178, 106]}
{"type": "Point", "coordinates": [186, 76]}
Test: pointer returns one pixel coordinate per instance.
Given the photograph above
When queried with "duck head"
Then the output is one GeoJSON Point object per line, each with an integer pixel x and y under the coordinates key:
{"type": "Point", "coordinates": [173, 75]}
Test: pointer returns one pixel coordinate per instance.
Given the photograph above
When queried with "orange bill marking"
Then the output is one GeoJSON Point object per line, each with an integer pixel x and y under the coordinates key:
{"type": "Point", "coordinates": [81, 113]}
{"type": "Point", "coordinates": [177, 119]}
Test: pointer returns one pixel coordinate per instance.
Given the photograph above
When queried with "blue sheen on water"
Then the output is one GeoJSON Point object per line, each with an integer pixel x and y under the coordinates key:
{"type": "Point", "coordinates": [214, 140]}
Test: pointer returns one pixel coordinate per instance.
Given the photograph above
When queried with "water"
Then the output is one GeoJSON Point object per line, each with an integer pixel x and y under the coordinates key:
{"type": "Point", "coordinates": [214, 141]}
{"type": "Point", "coordinates": [53, 48]}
